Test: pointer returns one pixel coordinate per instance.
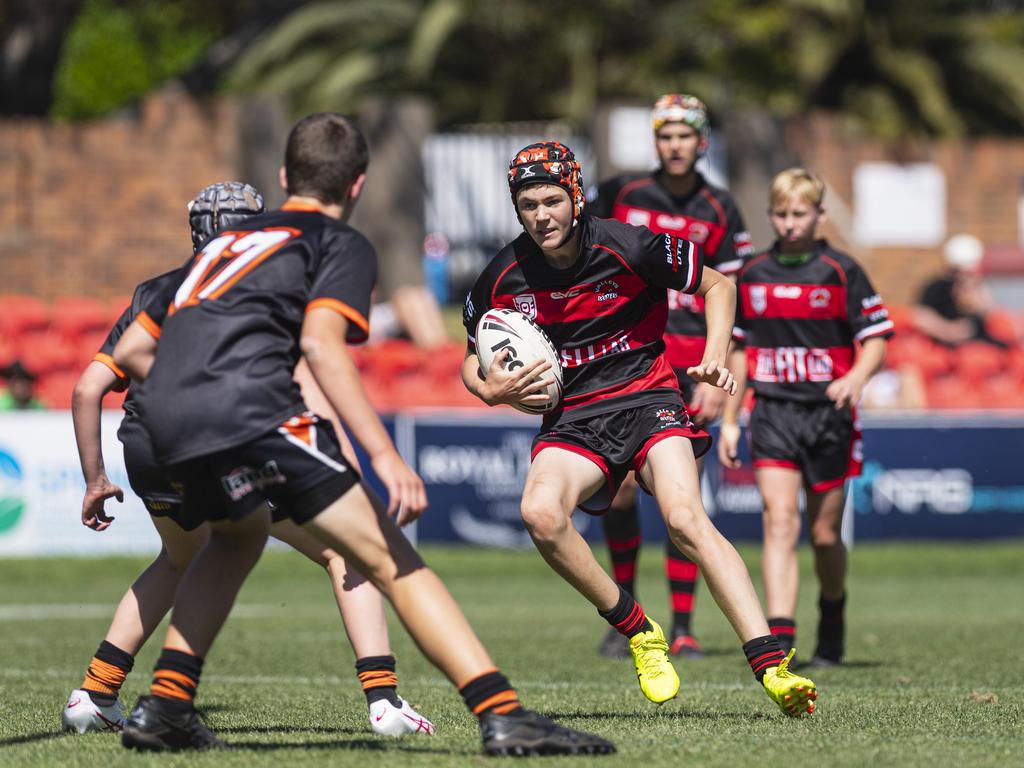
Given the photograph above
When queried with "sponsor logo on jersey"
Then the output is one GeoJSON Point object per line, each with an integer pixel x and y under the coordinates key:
{"type": "Point", "coordinates": [607, 290]}
{"type": "Point", "coordinates": [666, 414]}
{"type": "Point", "coordinates": [759, 298]}
{"type": "Point", "coordinates": [241, 481]}
{"type": "Point", "coordinates": [573, 357]}
{"type": "Point", "coordinates": [526, 303]}
{"type": "Point", "coordinates": [562, 295]}
{"type": "Point", "coordinates": [743, 244]}
{"type": "Point", "coordinates": [667, 221]}
{"type": "Point", "coordinates": [787, 291]}
{"type": "Point", "coordinates": [819, 297]}
{"type": "Point", "coordinates": [792, 364]}
{"type": "Point", "coordinates": [871, 302]}
{"type": "Point", "coordinates": [469, 309]}
{"type": "Point", "coordinates": [698, 232]}
{"type": "Point", "coordinates": [638, 218]}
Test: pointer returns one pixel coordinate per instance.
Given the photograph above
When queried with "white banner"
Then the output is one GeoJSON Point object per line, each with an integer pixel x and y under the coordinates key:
{"type": "Point", "coordinates": [41, 490]}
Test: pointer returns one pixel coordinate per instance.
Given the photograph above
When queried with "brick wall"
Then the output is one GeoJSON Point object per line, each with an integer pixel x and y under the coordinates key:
{"type": "Point", "coordinates": [95, 208]}
{"type": "Point", "coordinates": [983, 182]}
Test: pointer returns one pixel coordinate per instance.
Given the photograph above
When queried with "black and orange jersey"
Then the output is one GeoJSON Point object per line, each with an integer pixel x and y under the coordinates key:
{"type": "Point", "coordinates": [798, 322]}
{"type": "Point", "coordinates": [230, 341]}
{"type": "Point", "coordinates": [156, 293]}
{"type": "Point", "coordinates": [605, 314]}
{"type": "Point", "coordinates": [707, 216]}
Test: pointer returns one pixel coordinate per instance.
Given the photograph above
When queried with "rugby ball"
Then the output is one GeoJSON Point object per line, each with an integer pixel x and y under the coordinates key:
{"type": "Point", "coordinates": [500, 329]}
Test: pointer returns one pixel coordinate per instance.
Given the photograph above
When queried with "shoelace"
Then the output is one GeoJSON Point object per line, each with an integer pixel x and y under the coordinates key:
{"type": "Point", "coordinates": [650, 646]}
{"type": "Point", "coordinates": [783, 668]}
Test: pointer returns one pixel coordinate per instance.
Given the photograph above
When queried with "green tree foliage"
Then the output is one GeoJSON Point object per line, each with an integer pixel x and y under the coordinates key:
{"type": "Point", "coordinates": [116, 52]}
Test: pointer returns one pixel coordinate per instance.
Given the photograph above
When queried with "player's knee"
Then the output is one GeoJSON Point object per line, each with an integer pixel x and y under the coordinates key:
{"type": "Point", "coordinates": [825, 536]}
{"type": "Point", "coordinates": [543, 518]}
{"type": "Point", "coordinates": [685, 522]}
{"type": "Point", "coordinates": [781, 524]}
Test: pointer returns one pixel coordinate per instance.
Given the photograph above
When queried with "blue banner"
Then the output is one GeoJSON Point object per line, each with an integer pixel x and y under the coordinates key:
{"type": "Point", "coordinates": [934, 477]}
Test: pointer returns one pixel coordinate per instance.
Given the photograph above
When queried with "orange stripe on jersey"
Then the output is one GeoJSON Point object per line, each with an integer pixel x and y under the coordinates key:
{"type": "Point", "coordinates": [107, 360]}
{"type": "Point", "coordinates": [342, 309]}
{"type": "Point", "coordinates": [307, 207]}
{"type": "Point", "coordinates": [149, 324]}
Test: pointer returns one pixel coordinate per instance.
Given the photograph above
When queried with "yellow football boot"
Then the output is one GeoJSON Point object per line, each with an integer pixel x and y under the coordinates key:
{"type": "Point", "coordinates": [658, 680]}
{"type": "Point", "coordinates": [794, 694]}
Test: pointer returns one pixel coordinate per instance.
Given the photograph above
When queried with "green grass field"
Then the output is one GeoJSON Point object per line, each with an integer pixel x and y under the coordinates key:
{"type": "Point", "coordinates": [934, 678]}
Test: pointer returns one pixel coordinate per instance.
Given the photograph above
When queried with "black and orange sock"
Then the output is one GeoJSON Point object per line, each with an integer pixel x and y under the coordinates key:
{"type": "Point", "coordinates": [682, 576]}
{"type": "Point", "coordinates": [785, 630]}
{"type": "Point", "coordinates": [490, 692]}
{"type": "Point", "coordinates": [106, 674]}
{"type": "Point", "coordinates": [831, 628]}
{"type": "Point", "coordinates": [176, 677]}
{"type": "Point", "coordinates": [622, 531]}
{"type": "Point", "coordinates": [762, 653]}
{"type": "Point", "coordinates": [627, 616]}
{"type": "Point", "coordinates": [378, 678]}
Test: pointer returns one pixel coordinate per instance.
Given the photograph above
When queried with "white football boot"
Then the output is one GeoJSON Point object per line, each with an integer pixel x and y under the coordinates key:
{"type": "Point", "coordinates": [388, 720]}
{"type": "Point", "coordinates": [82, 714]}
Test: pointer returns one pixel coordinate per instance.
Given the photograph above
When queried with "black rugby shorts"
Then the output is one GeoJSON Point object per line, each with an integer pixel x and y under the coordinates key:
{"type": "Point", "coordinates": [298, 469]}
{"type": "Point", "coordinates": [146, 477]}
{"type": "Point", "coordinates": [619, 441]}
{"type": "Point", "coordinates": [815, 439]}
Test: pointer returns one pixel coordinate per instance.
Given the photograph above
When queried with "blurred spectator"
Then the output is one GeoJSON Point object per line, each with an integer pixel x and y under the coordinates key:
{"type": "Point", "coordinates": [951, 309]}
{"type": "Point", "coordinates": [19, 395]}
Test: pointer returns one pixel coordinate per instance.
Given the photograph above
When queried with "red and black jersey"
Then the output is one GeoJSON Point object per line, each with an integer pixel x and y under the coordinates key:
{"type": "Point", "coordinates": [799, 322]}
{"type": "Point", "coordinates": [157, 293]}
{"type": "Point", "coordinates": [230, 342]}
{"type": "Point", "coordinates": [707, 216]}
{"type": "Point", "coordinates": [605, 314]}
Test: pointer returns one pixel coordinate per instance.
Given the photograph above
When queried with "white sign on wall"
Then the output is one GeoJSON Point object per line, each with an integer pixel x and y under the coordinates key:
{"type": "Point", "coordinates": [899, 205]}
{"type": "Point", "coordinates": [41, 491]}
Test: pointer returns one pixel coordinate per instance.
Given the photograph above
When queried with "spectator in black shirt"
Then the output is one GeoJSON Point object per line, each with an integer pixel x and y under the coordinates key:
{"type": "Point", "coordinates": [951, 309]}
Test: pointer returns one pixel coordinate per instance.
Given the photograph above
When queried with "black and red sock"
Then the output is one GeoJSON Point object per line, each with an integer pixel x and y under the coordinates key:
{"type": "Point", "coordinates": [785, 630]}
{"type": "Point", "coordinates": [762, 653]}
{"type": "Point", "coordinates": [490, 692]}
{"type": "Point", "coordinates": [176, 678]}
{"type": "Point", "coordinates": [106, 674]}
{"type": "Point", "coordinates": [627, 616]}
{"type": "Point", "coordinates": [378, 678]}
{"type": "Point", "coordinates": [682, 574]}
{"type": "Point", "coordinates": [622, 531]}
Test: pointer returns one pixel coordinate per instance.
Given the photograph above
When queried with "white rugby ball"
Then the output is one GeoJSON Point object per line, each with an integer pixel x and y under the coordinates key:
{"type": "Point", "coordinates": [500, 329]}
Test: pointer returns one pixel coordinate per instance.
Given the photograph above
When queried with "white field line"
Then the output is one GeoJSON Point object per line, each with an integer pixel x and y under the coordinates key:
{"type": "Point", "coordinates": [59, 612]}
{"type": "Point", "coordinates": [347, 681]}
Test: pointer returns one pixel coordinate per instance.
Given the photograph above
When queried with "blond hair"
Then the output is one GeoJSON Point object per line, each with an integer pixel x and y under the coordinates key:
{"type": "Point", "coordinates": [796, 181]}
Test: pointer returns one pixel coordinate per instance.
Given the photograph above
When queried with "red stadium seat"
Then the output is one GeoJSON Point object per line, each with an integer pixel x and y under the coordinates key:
{"type": "Point", "coordinates": [75, 315]}
{"type": "Point", "coordinates": [929, 358]}
{"type": "Point", "coordinates": [952, 392]}
{"type": "Point", "coordinates": [21, 314]}
{"type": "Point", "coordinates": [902, 318]}
{"type": "Point", "coordinates": [977, 361]}
{"type": "Point", "coordinates": [1003, 326]}
{"type": "Point", "coordinates": [55, 390]}
{"type": "Point", "coordinates": [46, 353]}
{"type": "Point", "coordinates": [8, 352]}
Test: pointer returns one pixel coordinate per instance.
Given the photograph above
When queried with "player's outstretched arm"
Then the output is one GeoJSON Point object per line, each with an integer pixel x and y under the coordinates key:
{"type": "Point", "coordinates": [323, 345]}
{"type": "Point", "coordinates": [729, 432]}
{"type": "Point", "coordinates": [135, 351]}
{"type": "Point", "coordinates": [497, 387]}
{"type": "Point", "coordinates": [719, 295]}
{"type": "Point", "coordinates": [846, 390]}
{"type": "Point", "coordinates": [86, 408]}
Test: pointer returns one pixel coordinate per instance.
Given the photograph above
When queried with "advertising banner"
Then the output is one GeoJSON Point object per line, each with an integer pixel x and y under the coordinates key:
{"type": "Point", "coordinates": [41, 490]}
{"type": "Point", "coordinates": [940, 477]}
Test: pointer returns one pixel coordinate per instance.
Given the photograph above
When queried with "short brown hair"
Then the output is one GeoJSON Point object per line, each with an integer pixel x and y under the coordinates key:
{"type": "Point", "coordinates": [796, 181]}
{"type": "Point", "coordinates": [326, 152]}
